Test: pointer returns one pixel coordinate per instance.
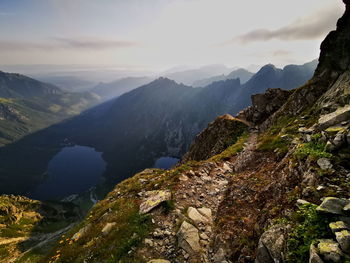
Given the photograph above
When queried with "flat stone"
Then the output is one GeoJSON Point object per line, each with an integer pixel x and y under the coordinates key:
{"type": "Point", "coordinates": [330, 250]}
{"type": "Point", "coordinates": [153, 199]}
{"type": "Point", "coordinates": [107, 228]}
{"type": "Point", "coordinates": [338, 226]}
{"type": "Point", "coordinates": [333, 205]}
{"type": "Point", "coordinates": [195, 216]}
{"type": "Point", "coordinates": [343, 238]}
{"type": "Point", "coordinates": [324, 164]}
{"type": "Point", "coordinates": [336, 117]}
{"type": "Point", "coordinates": [188, 238]}
{"type": "Point", "coordinates": [206, 212]}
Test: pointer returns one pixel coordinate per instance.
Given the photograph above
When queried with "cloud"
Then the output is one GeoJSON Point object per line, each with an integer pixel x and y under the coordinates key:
{"type": "Point", "coordinates": [60, 43]}
{"type": "Point", "coordinates": [311, 27]}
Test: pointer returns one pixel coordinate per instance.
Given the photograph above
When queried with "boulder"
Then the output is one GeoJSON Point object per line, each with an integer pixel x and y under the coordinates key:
{"type": "Point", "coordinates": [348, 138]}
{"type": "Point", "coordinates": [329, 250]}
{"type": "Point", "coordinates": [81, 232]}
{"type": "Point", "coordinates": [195, 216]}
{"type": "Point", "coordinates": [159, 261]}
{"type": "Point", "coordinates": [336, 117]}
{"type": "Point", "coordinates": [338, 226]}
{"type": "Point", "coordinates": [314, 257]}
{"type": "Point", "coordinates": [324, 164]}
{"type": "Point", "coordinates": [153, 199]}
{"type": "Point", "coordinates": [188, 238]}
{"type": "Point", "coordinates": [343, 238]}
{"type": "Point", "coordinates": [272, 245]}
{"type": "Point", "coordinates": [333, 205]}
{"type": "Point", "coordinates": [339, 140]}
{"type": "Point", "coordinates": [107, 228]}
{"type": "Point", "coordinates": [206, 212]}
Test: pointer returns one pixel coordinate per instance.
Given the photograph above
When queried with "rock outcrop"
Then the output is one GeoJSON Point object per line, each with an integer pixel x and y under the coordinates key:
{"type": "Point", "coordinates": [219, 134]}
{"type": "Point", "coordinates": [152, 199]}
{"type": "Point", "coordinates": [264, 105]}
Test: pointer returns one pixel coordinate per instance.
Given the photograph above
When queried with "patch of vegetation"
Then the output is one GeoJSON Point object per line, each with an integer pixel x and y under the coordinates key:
{"type": "Point", "coordinates": [279, 136]}
{"type": "Point", "coordinates": [271, 143]}
{"type": "Point", "coordinates": [308, 226]}
{"type": "Point", "coordinates": [168, 206]}
{"type": "Point", "coordinates": [130, 230]}
{"type": "Point", "coordinates": [231, 150]}
{"type": "Point", "coordinates": [314, 150]}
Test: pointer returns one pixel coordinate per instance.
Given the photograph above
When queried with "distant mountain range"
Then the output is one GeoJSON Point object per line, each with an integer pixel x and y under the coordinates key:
{"type": "Point", "coordinates": [116, 88]}
{"type": "Point", "coordinates": [162, 117]}
{"type": "Point", "coordinates": [158, 119]}
{"type": "Point", "coordinates": [242, 74]}
{"type": "Point", "coordinates": [190, 76]}
{"type": "Point", "coordinates": [27, 105]}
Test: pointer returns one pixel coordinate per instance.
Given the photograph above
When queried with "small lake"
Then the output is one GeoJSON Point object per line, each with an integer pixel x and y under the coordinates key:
{"type": "Point", "coordinates": [165, 162]}
{"type": "Point", "coordinates": [73, 170]}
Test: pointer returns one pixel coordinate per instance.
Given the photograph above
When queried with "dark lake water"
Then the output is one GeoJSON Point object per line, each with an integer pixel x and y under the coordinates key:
{"type": "Point", "coordinates": [73, 170]}
{"type": "Point", "coordinates": [165, 162]}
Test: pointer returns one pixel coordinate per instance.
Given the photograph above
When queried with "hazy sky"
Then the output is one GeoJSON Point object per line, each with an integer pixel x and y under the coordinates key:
{"type": "Point", "coordinates": [157, 34]}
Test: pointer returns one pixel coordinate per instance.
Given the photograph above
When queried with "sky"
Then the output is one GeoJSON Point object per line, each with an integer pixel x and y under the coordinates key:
{"type": "Point", "coordinates": [160, 34]}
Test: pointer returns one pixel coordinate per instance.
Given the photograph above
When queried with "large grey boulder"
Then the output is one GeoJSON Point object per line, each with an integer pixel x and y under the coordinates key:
{"type": "Point", "coordinates": [343, 238]}
{"type": "Point", "coordinates": [336, 117]}
{"type": "Point", "coordinates": [329, 250]}
{"type": "Point", "coordinates": [333, 205]}
{"type": "Point", "coordinates": [272, 245]}
{"type": "Point", "coordinates": [153, 199]}
{"type": "Point", "coordinates": [188, 238]}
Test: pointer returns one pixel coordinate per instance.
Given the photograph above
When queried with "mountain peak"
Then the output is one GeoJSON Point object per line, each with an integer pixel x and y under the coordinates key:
{"type": "Point", "coordinates": [335, 49]}
{"type": "Point", "coordinates": [163, 80]}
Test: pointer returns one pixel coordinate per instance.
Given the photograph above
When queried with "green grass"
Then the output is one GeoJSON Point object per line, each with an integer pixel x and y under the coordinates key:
{"type": "Point", "coordinates": [308, 225]}
{"type": "Point", "coordinates": [231, 150]}
{"type": "Point", "coordinates": [314, 150]}
{"type": "Point", "coordinates": [130, 230]}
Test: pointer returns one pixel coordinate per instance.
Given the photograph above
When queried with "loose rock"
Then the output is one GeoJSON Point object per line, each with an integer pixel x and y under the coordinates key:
{"type": "Point", "coordinates": [188, 238]}
{"type": "Point", "coordinates": [153, 199]}
{"type": "Point", "coordinates": [333, 205]}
